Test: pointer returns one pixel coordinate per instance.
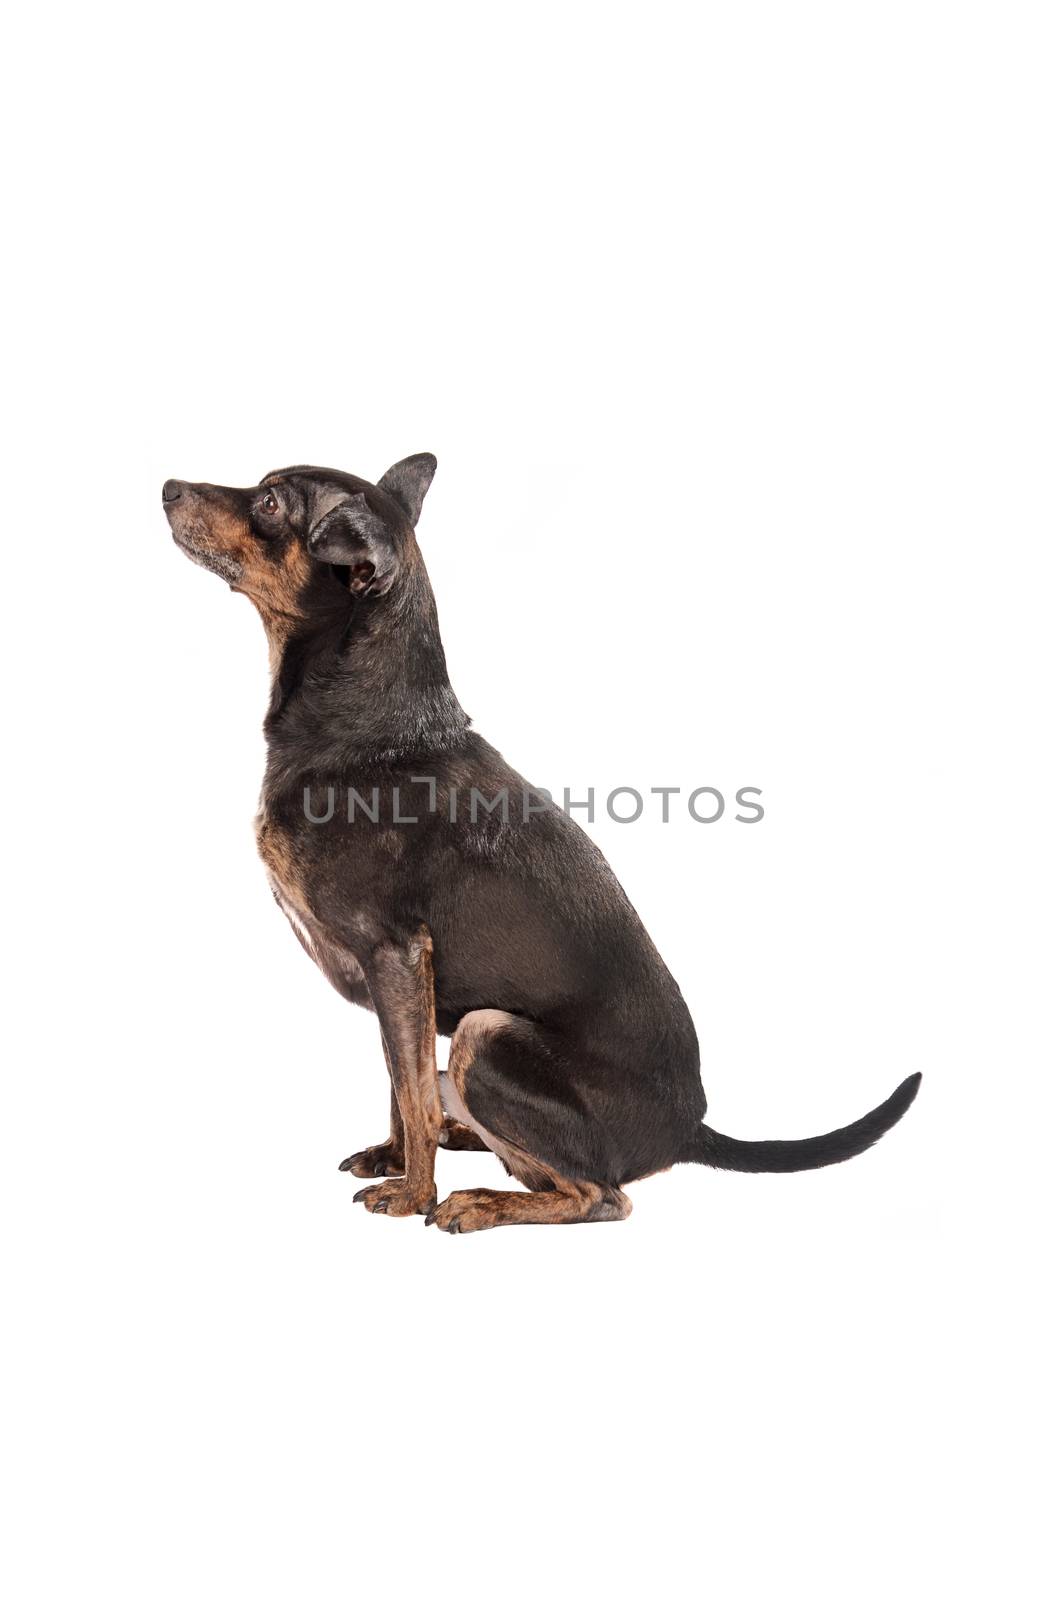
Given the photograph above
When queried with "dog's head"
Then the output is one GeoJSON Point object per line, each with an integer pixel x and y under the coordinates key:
{"type": "Point", "coordinates": [304, 540]}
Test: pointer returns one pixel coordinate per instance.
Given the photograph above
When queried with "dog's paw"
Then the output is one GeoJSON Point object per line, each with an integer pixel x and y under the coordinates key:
{"type": "Point", "coordinates": [378, 1161]}
{"type": "Point", "coordinates": [397, 1199]}
{"type": "Point", "coordinates": [466, 1211]}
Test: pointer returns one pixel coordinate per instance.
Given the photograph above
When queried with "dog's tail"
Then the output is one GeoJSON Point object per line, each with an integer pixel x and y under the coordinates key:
{"type": "Point", "coordinates": [713, 1149]}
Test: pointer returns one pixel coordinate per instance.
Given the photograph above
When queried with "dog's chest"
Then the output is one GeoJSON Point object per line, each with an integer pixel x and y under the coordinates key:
{"type": "Point", "coordinates": [285, 873]}
{"type": "Point", "coordinates": [288, 881]}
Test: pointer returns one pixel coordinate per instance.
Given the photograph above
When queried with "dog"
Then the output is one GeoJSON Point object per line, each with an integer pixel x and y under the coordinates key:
{"type": "Point", "coordinates": [573, 1056]}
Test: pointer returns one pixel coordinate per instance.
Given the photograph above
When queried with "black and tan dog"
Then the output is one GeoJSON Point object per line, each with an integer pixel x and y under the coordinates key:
{"type": "Point", "coordinates": [422, 897]}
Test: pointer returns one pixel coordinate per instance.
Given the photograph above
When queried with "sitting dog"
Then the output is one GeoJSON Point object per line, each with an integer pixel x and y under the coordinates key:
{"type": "Point", "coordinates": [422, 897]}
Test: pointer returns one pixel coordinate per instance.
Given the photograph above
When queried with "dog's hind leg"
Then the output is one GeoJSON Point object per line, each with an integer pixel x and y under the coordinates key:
{"type": "Point", "coordinates": [505, 1082]}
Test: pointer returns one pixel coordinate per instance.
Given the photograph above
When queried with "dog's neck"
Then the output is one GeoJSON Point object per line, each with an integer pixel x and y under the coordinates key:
{"type": "Point", "coordinates": [364, 686]}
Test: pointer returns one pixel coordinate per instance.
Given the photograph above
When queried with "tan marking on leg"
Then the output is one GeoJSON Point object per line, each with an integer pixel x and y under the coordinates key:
{"type": "Point", "coordinates": [472, 1210]}
{"type": "Point", "coordinates": [471, 1033]}
{"type": "Point", "coordinates": [404, 994]}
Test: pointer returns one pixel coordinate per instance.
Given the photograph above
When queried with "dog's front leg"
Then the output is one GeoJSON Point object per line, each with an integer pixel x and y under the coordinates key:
{"type": "Point", "coordinates": [401, 980]}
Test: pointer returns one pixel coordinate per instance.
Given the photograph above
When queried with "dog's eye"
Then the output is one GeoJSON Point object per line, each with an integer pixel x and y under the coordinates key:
{"type": "Point", "coordinates": [270, 505]}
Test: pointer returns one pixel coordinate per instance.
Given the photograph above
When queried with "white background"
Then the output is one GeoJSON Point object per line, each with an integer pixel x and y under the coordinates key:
{"type": "Point", "coordinates": [734, 330]}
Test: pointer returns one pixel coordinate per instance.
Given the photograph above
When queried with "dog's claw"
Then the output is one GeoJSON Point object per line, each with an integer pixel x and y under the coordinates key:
{"type": "Point", "coordinates": [359, 1195]}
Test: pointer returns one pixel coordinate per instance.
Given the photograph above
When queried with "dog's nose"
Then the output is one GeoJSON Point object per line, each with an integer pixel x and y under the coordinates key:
{"type": "Point", "coordinates": [171, 490]}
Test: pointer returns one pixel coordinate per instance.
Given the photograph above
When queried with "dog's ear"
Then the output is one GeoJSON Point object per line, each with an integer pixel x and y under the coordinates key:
{"type": "Point", "coordinates": [408, 481]}
{"type": "Point", "coordinates": [351, 535]}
